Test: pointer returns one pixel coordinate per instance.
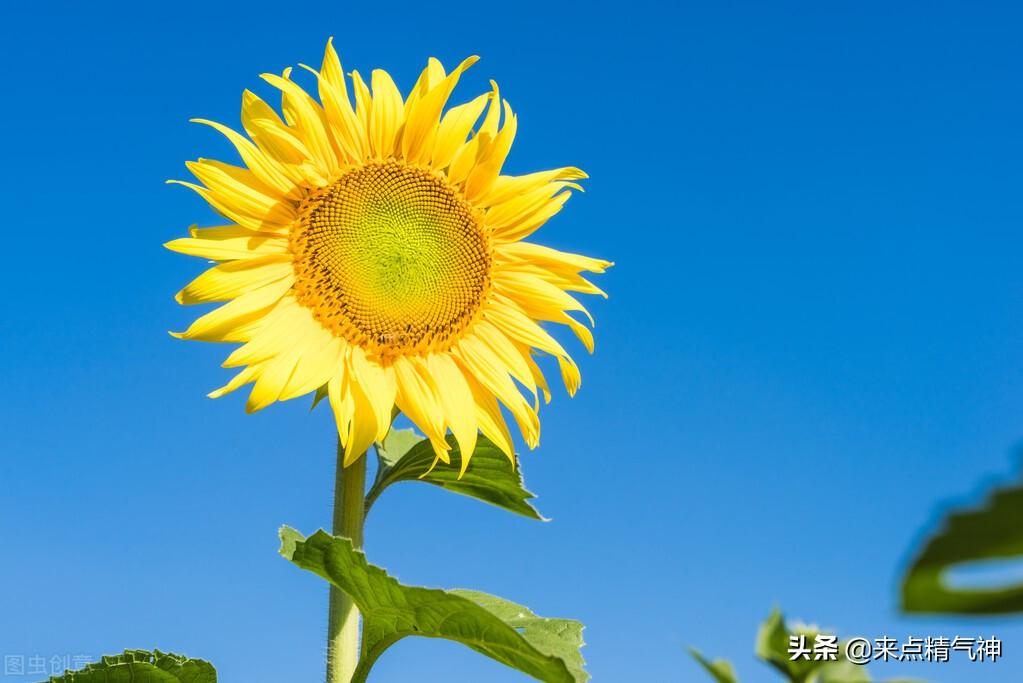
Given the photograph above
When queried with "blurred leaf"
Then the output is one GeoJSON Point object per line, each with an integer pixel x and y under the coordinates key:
{"type": "Point", "coordinates": [994, 532]}
{"type": "Point", "coordinates": [562, 638]}
{"type": "Point", "coordinates": [142, 666]}
{"type": "Point", "coordinates": [545, 649]}
{"type": "Point", "coordinates": [772, 646]}
{"type": "Point", "coordinates": [491, 477]}
{"type": "Point", "coordinates": [842, 671]}
{"type": "Point", "coordinates": [720, 669]}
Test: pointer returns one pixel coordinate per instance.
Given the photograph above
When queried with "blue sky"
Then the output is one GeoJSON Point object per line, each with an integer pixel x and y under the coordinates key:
{"type": "Point", "coordinates": [812, 340]}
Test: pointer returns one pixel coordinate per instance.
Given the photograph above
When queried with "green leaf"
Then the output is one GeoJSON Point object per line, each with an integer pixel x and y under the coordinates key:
{"type": "Point", "coordinates": [720, 669]}
{"type": "Point", "coordinates": [142, 666]}
{"type": "Point", "coordinates": [562, 638]}
{"type": "Point", "coordinates": [321, 393]}
{"type": "Point", "coordinates": [842, 671]}
{"type": "Point", "coordinates": [994, 532]}
{"type": "Point", "coordinates": [545, 649]}
{"type": "Point", "coordinates": [491, 477]}
{"type": "Point", "coordinates": [773, 647]}
{"type": "Point", "coordinates": [396, 445]}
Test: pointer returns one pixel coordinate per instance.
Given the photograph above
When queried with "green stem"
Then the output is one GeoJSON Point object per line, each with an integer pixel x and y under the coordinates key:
{"type": "Point", "coordinates": [343, 617]}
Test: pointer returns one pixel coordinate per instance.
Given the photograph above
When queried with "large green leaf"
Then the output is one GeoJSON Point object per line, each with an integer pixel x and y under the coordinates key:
{"type": "Point", "coordinates": [142, 666]}
{"type": "Point", "coordinates": [546, 649]}
{"type": "Point", "coordinates": [491, 477]}
{"type": "Point", "coordinates": [994, 532]}
{"type": "Point", "coordinates": [721, 670]}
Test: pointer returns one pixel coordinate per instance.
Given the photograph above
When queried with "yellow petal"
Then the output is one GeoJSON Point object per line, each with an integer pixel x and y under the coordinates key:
{"type": "Point", "coordinates": [538, 294]}
{"type": "Point", "coordinates": [422, 116]}
{"type": "Point", "coordinates": [385, 115]}
{"type": "Point", "coordinates": [241, 189]}
{"type": "Point", "coordinates": [491, 158]}
{"type": "Point", "coordinates": [522, 206]}
{"type": "Point", "coordinates": [347, 131]}
{"type": "Point", "coordinates": [272, 380]}
{"type": "Point", "coordinates": [231, 210]}
{"type": "Point", "coordinates": [491, 374]}
{"type": "Point", "coordinates": [490, 419]}
{"type": "Point", "coordinates": [510, 319]}
{"type": "Point", "coordinates": [279, 142]}
{"type": "Point", "coordinates": [363, 430]}
{"type": "Point", "coordinates": [508, 187]}
{"type": "Point", "coordinates": [417, 400]}
{"type": "Point", "coordinates": [229, 243]}
{"type": "Point", "coordinates": [309, 123]}
{"type": "Point", "coordinates": [524, 225]}
{"type": "Point", "coordinates": [380, 387]}
{"type": "Point", "coordinates": [341, 402]}
{"type": "Point", "coordinates": [227, 232]}
{"type": "Point", "coordinates": [264, 167]}
{"type": "Point", "coordinates": [454, 128]}
{"type": "Point", "coordinates": [315, 367]}
{"type": "Point", "coordinates": [363, 101]}
{"type": "Point", "coordinates": [287, 322]}
{"type": "Point", "coordinates": [247, 375]}
{"type": "Point", "coordinates": [503, 352]}
{"type": "Point", "coordinates": [271, 134]}
{"type": "Point", "coordinates": [490, 121]}
{"type": "Point", "coordinates": [428, 79]}
{"type": "Point", "coordinates": [548, 257]}
{"type": "Point", "coordinates": [221, 324]}
{"type": "Point", "coordinates": [234, 278]}
{"type": "Point", "coordinates": [456, 398]}
{"type": "Point", "coordinates": [332, 74]}
{"type": "Point", "coordinates": [538, 376]}
{"type": "Point", "coordinates": [464, 159]}
{"type": "Point", "coordinates": [542, 296]}
{"type": "Point", "coordinates": [570, 374]}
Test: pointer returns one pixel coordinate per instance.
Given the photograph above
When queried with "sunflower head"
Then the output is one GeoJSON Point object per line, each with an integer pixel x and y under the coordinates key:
{"type": "Point", "coordinates": [392, 258]}
{"type": "Point", "coordinates": [376, 254]}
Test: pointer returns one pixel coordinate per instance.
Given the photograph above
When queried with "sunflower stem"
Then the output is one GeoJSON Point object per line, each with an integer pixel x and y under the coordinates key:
{"type": "Point", "coordinates": [343, 615]}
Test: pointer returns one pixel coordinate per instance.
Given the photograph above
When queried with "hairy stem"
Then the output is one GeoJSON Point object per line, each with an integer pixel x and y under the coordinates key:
{"type": "Point", "coordinates": [343, 616]}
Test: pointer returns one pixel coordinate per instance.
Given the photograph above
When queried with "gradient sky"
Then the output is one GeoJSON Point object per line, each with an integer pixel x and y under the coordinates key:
{"type": "Point", "coordinates": [812, 342]}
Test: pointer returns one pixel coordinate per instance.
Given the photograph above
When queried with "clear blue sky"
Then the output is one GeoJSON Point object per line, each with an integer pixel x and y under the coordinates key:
{"type": "Point", "coordinates": [813, 338]}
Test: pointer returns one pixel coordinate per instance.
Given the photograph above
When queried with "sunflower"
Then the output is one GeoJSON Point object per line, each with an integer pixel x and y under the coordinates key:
{"type": "Point", "coordinates": [375, 255]}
